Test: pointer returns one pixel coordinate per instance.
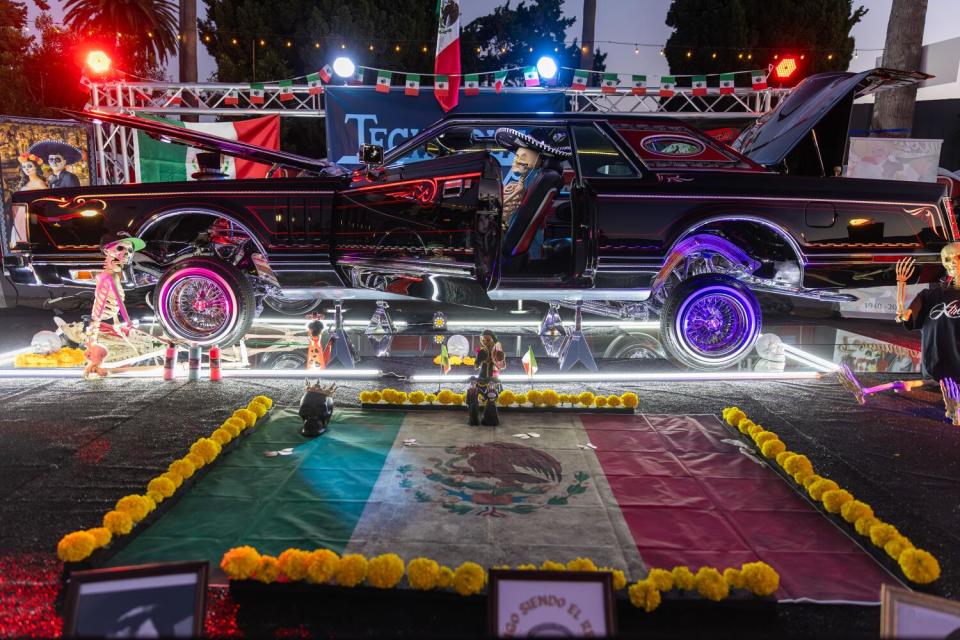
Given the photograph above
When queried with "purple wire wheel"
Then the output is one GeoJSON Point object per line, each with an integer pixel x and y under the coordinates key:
{"type": "Point", "coordinates": [717, 325]}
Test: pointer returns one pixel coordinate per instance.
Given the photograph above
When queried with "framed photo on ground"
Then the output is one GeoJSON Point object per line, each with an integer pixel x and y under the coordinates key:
{"type": "Point", "coordinates": [155, 600]}
{"type": "Point", "coordinates": [550, 603]}
{"type": "Point", "coordinates": [907, 614]}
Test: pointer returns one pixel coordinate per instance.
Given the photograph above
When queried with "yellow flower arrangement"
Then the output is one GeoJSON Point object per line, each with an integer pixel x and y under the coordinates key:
{"type": "Point", "coordinates": [388, 395]}
{"type": "Point", "coordinates": [711, 585]}
{"type": "Point", "coordinates": [118, 522]}
{"type": "Point", "coordinates": [919, 566]}
{"type": "Point", "coordinates": [469, 578]}
{"type": "Point", "coordinates": [506, 398]}
{"type": "Point", "coordinates": [896, 546]}
{"type": "Point", "coordinates": [733, 577]}
{"type": "Point", "coordinates": [754, 430]}
{"type": "Point", "coordinates": [630, 400]}
{"type": "Point", "coordinates": [352, 570]}
{"type": "Point", "coordinates": [469, 361]}
{"type": "Point", "coordinates": [136, 506]}
{"type": "Point", "coordinates": [364, 396]}
{"type": "Point", "coordinates": [834, 500]}
{"type": "Point", "coordinates": [771, 448]}
{"type": "Point", "coordinates": [156, 496]}
{"type": "Point", "coordinates": [550, 565]}
{"type": "Point", "coordinates": [683, 578]}
{"type": "Point", "coordinates": [431, 398]}
{"type": "Point", "coordinates": [551, 398]}
{"type": "Point", "coordinates": [445, 581]}
{"type": "Point", "coordinates": [182, 467]}
{"type": "Point", "coordinates": [101, 536]}
{"type": "Point", "coordinates": [294, 563]}
{"type": "Point", "coordinates": [249, 417]}
{"type": "Point", "coordinates": [401, 397]}
{"type": "Point", "coordinates": [809, 480]}
{"type": "Point", "coordinates": [618, 577]}
{"type": "Point", "coordinates": [797, 463]}
{"type": "Point", "coordinates": [76, 546]}
{"type": "Point", "coordinates": [459, 398]}
{"type": "Point", "coordinates": [600, 401]}
{"type": "Point", "coordinates": [821, 486]}
{"type": "Point", "coordinates": [527, 567]}
{"type": "Point", "coordinates": [581, 564]}
{"type": "Point", "coordinates": [661, 578]}
{"type": "Point", "coordinates": [613, 400]}
{"type": "Point", "coordinates": [864, 524]}
{"type": "Point", "coordinates": [323, 566]}
{"type": "Point", "coordinates": [233, 426]}
{"type": "Point", "coordinates": [163, 486]}
{"type": "Point", "coordinates": [268, 570]}
{"type": "Point", "coordinates": [221, 436]}
{"type": "Point", "coordinates": [534, 397]}
{"type": "Point", "coordinates": [240, 563]}
{"type": "Point", "coordinates": [176, 479]}
{"type": "Point", "coordinates": [760, 578]}
{"type": "Point", "coordinates": [733, 416]}
{"type": "Point", "coordinates": [782, 457]}
{"type": "Point", "coordinates": [206, 448]}
{"type": "Point", "coordinates": [520, 399]}
{"type": "Point", "coordinates": [416, 397]}
{"type": "Point", "coordinates": [644, 595]}
{"type": "Point", "coordinates": [881, 534]}
{"type": "Point", "coordinates": [801, 476]}
{"type": "Point", "coordinates": [445, 396]}
{"type": "Point", "coordinates": [763, 436]}
{"type": "Point", "coordinates": [423, 573]}
{"type": "Point", "coordinates": [196, 460]}
{"type": "Point", "coordinates": [744, 425]}
{"type": "Point", "coordinates": [258, 408]}
{"type": "Point", "coordinates": [267, 402]}
{"type": "Point", "coordinates": [64, 357]}
{"type": "Point", "coordinates": [586, 398]}
{"type": "Point", "coordinates": [385, 571]}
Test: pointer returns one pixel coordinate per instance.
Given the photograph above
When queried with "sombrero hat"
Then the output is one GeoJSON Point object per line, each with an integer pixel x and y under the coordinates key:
{"type": "Point", "coordinates": [121, 237]}
{"type": "Point", "coordinates": [513, 139]}
{"type": "Point", "coordinates": [46, 148]}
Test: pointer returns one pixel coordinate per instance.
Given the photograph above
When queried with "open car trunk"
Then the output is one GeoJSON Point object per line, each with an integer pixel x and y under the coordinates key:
{"type": "Point", "coordinates": [807, 133]}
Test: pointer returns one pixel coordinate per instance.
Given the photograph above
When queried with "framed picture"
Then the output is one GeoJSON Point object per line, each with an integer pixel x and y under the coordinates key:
{"type": "Point", "coordinates": [907, 614]}
{"type": "Point", "coordinates": [154, 600]}
{"type": "Point", "coordinates": [550, 603]}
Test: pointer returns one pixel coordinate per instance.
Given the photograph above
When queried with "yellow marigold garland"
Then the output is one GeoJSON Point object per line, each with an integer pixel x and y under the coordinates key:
{"type": "Point", "coordinates": [323, 566]}
{"type": "Point", "coordinates": [268, 570]}
{"type": "Point", "coordinates": [352, 570]}
{"type": "Point", "coordinates": [771, 448]}
{"type": "Point", "coordinates": [118, 522]}
{"type": "Point", "coordinates": [919, 566]}
{"type": "Point", "coordinates": [760, 578]}
{"type": "Point", "coordinates": [221, 436]}
{"type": "Point", "coordinates": [618, 577]}
{"type": "Point", "coordinates": [101, 535]}
{"type": "Point", "coordinates": [469, 578]}
{"type": "Point", "coordinates": [240, 563]}
{"type": "Point", "coordinates": [711, 585]}
{"type": "Point", "coordinates": [581, 564]}
{"type": "Point", "coordinates": [661, 578]}
{"type": "Point", "coordinates": [248, 417]}
{"type": "Point", "coordinates": [630, 400]}
{"type": "Point", "coordinates": [821, 486]}
{"type": "Point", "coordinates": [385, 571]}
{"type": "Point", "coordinates": [206, 448]}
{"type": "Point", "coordinates": [864, 524]}
{"type": "Point", "coordinates": [294, 564]}
{"type": "Point", "coordinates": [550, 565]}
{"type": "Point", "coordinates": [163, 486]}
{"type": "Point", "coordinates": [445, 581]}
{"type": "Point", "coordinates": [881, 534]}
{"type": "Point", "coordinates": [896, 546]}
{"type": "Point", "coordinates": [76, 546]}
{"type": "Point", "coordinates": [683, 578]}
{"type": "Point", "coordinates": [644, 595]}
{"type": "Point", "coordinates": [258, 408]}
{"type": "Point", "coordinates": [182, 467]}
{"type": "Point", "coordinates": [733, 577]}
{"type": "Point", "coordinates": [136, 506]}
{"type": "Point", "coordinates": [834, 500]}
{"type": "Point", "coordinates": [423, 573]}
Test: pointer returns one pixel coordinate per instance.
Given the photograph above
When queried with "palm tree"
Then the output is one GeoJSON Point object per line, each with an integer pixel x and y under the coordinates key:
{"type": "Point", "coordinates": [893, 110]}
{"type": "Point", "coordinates": [147, 28]}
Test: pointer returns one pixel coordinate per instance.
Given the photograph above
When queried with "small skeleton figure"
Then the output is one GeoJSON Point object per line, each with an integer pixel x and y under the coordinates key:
{"type": "Point", "coordinates": [485, 387]}
{"type": "Point", "coordinates": [316, 357]}
{"type": "Point", "coordinates": [118, 250]}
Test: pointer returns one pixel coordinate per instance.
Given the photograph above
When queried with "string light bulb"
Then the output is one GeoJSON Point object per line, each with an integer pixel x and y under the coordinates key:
{"type": "Point", "coordinates": [661, 51]}
{"type": "Point", "coordinates": [263, 43]}
{"type": "Point", "coordinates": [802, 56]}
{"type": "Point", "coordinates": [829, 56]}
{"type": "Point", "coordinates": [343, 45]}
{"type": "Point", "coordinates": [740, 56]}
{"type": "Point", "coordinates": [289, 44]}
{"type": "Point", "coordinates": [689, 53]}
{"type": "Point", "coordinates": [775, 56]}
{"type": "Point", "coordinates": [149, 33]}
{"type": "Point", "coordinates": [713, 56]}
{"type": "Point", "coordinates": [206, 38]}
{"type": "Point", "coordinates": [316, 45]}
{"type": "Point", "coordinates": [556, 49]}
{"type": "Point", "coordinates": [478, 49]}
{"type": "Point", "coordinates": [397, 48]}
{"type": "Point", "coordinates": [370, 47]}
{"type": "Point", "coordinates": [233, 41]}
{"type": "Point", "coordinates": [855, 54]}
{"type": "Point", "coordinates": [530, 49]}
{"type": "Point", "coordinates": [636, 50]}
{"type": "Point", "coordinates": [585, 49]}
{"type": "Point", "coordinates": [749, 56]}
{"type": "Point", "coordinates": [425, 49]}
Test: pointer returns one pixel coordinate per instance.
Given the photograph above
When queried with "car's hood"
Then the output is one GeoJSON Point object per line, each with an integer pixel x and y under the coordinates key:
{"type": "Point", "coordinates": [208, 142]}
{"type": "Point", "coordinates": [821, 97]}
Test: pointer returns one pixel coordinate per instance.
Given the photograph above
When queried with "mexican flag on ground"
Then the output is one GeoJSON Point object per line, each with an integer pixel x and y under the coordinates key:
{"type": "Point", "coordinates": [162, 162]}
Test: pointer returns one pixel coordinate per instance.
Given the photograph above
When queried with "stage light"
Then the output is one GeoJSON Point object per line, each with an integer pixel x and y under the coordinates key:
{"type": "Point", "coordinates": [785, 68]}
{"type": "Point", "coordinates": [98, 62]}
{"type": "Point", "coordinates": [344, 67]}
{"type": "Point", "coordinates": [546, 67]}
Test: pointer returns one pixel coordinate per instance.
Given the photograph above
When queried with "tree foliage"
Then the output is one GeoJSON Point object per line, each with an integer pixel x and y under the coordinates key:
{"type": "Point", "coordinates": [14, 76]}
{"type": "Point", "coordinates": [759, 29]}
{"type": "Point", "coordinates": [143, 32]}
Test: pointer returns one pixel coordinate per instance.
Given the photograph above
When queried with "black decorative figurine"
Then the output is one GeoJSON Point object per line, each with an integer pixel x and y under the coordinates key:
{"type": "Point", "coordinates": [316, 409]}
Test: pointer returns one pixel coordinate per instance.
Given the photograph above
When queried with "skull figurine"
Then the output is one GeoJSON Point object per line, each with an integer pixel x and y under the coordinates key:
{"type": "Point", "coordinates": [316, 409]}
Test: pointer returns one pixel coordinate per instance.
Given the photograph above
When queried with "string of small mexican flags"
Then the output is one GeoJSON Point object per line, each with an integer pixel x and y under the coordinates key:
{"type": "Point", "coordinates": [639, 85]}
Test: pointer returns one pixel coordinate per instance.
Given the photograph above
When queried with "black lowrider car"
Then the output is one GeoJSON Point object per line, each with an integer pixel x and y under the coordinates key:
{"type": "Point", "coordinates": [647, 216]}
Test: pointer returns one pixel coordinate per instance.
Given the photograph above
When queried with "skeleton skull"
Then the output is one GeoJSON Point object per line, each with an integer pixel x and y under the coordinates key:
{"type": "Point", "coordinates": [950, 257]}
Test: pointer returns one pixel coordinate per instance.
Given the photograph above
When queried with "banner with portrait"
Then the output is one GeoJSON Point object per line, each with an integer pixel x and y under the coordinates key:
{"type": "Point", "coordinates": [41, 154]}
{"type": "Point", "coordinates": [911, 159]}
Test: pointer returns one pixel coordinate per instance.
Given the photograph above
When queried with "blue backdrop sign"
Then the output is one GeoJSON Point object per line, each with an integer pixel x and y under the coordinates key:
{"type": "Point", "coordinates": [360, 115]}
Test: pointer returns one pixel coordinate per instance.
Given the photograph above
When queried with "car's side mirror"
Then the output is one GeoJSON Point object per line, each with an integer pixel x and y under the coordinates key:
{"type": "Point", "coordinates": [371, 155]}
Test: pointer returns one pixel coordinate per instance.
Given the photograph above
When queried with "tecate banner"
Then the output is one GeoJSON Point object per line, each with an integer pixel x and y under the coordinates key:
{"type": "Point", "coordinates": [361, 115]}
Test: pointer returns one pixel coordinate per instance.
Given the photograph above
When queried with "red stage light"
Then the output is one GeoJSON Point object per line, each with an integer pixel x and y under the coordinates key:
{"type": "Point", "coordinates": [785, 68]}
{"type": "Point", "coordinates": [98, 62]}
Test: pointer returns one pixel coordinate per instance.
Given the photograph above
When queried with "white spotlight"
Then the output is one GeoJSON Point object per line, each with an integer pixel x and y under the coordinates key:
{"type": "Point", "coordinates": [344, 67]}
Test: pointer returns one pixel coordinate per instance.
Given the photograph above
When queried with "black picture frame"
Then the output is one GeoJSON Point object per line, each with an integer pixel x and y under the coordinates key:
{"type": "Point", "coordinates": [892, 599]}
{"type": "Point", "coordinates": [83, 586]}
{"type": "Point", "coordinates": [602, 578]}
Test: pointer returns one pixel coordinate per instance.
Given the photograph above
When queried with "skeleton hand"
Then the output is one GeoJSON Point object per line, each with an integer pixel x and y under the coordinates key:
{"type": "Point", "coordinates": [951, 399]}
{"type": "Point", "coordinates": [905, 269]}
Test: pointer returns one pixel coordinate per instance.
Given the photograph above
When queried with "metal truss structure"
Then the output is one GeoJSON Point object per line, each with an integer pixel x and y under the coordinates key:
{"type": "Point", "coordinates": [116, 146]}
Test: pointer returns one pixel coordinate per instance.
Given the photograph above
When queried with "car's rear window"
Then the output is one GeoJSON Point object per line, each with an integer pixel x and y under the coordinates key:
{"type": "Point", "coordinates": [674, 146]}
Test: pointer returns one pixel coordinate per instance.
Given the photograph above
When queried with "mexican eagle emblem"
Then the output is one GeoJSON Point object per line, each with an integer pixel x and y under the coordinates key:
{"type": "Point", "coordinates": [493, 479]}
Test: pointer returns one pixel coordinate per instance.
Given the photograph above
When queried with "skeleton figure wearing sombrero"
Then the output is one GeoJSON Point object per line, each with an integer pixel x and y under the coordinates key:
{"type": "Point", "coordinates": [108, 297]}
{"type": "Point", "coordinates": [58, 156]}
{"type": "Point", "coordinates": [529, 155]}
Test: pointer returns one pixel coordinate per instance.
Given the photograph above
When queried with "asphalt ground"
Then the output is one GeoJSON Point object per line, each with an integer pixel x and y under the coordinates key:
{"type": "Point", "coordinates": [72, 448]}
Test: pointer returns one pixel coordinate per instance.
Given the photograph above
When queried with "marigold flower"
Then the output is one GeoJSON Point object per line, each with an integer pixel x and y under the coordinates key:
{"type": "Point", "coordinates": [196, 460]}
{"type": "Point", "coordinates": [763, 436]}
{"type": "Point", "coordinates": [101, 536]}
{"type": "Point", "coordinates": [400, 397]}
{"type": "Point", "coordinates": [551, 398]}
{"type": "Point", "coordinates": [423, 573]}
{"type": "Point", "coordinates": [896, 546]}
{"type": "Point", "coordinates": [760, 578]}
{"type": "Point", "coordinates": [249, 417]}
{"type": "Point", "coordinates": [431, 398]}
{"type": "Point", "coordinates": [294, 563]}
{"type": "Point", "coordinates": [364, 396]}
{"type": "Point", "coordinates": [683, 578]}
{"type": "Point", "coordinates": [118, 522]}
{"type": "Point", "coordinates": [881, 534]}
{"type": "Point", "coordinates": [534, 397]}
{"type": "Point", "coordinates": [711, 585]}
{"type": "Point", "coordinates": [156, 496]}
{"type": "Point", "coordinates": [630, 400]}
{"type": "Point", "coordinates": [233, 426]}
{"type": "Point", "coordinates": [445, 581]}
{"type": "Point", "coordinates": [506, 398]}
{"type": "Point", "coordinates": [586, 398]}
{"type": "Point", "coordinates": [163, 486]}
{"type": "Point", "coordinates": [809, 480]}
{"type": "Point", "coordinates": [600, 401]}
{"type": "Point", "coordinates": [268, 570]}
{"type": "Point", "coordinates": [240, 563]}
{"type": "Point", "coordinates": [206, 448]}
{"type": "Point", "coordinates": [258, 408]}
{"type": "Point", "coordinates": [865, 523]}
{"type": "Point", "coordinates": [801, 476]}
{"type": "Point", "coordinates": [445, 396]}
{"type": "Point", "coordinates": [797, 463]}
{"type": "Point", "coordinates": [267, 402]}
{"type": "Point", "coordinates": [352, 570]}
{"type": "Point", "coordinates": [661, 578]}
{"type": "Point", "coordinates": [416, 397]}
{"type": "Point", "coordinates": [527, 567]}
{"type": "Point", "coordinates": [385, 571]}
{"type": "Point", "coordinates": [644, 595]}
{"type": "Point", "coordinates": [618, 577]}
{"type": "Point", "coordinates": [821, 486]}
{"type": "Point", "coordinates": [744, 425]}
{"type": "Point", "coordinates": [771, 448]}
{"type": "Point", "coordinates": [520, 399]}
{"type": "Point", "coordinates": [182, 467]}
{"type": "Point", "coordinates": [375, 397]}
{"type": "Point", "coordinates": [323, 566]}
{"type": "Point", "coordinates": [754, 430]}
{"type": "Point", "coordinates": [581, 564]}
{"type": "Point", "coordinates": [853, 510]}
{"type": "Point", "coordinates": [135, 505]}
{"type": "Point", "coordinates": [733, 577]}
{"type": "Point", "coordinates": [76, 546]}
{"type": "Point", "coordinates": [469, 578]}
{"type": "Point", "coordinates": [834, 500]}
{"type": "Point", "coordinates": [919, 566]}
{"type": "Point", "coordinates": [222, 436]}
{"type": "Point", "coordinates": [550, 565]}
{"type": "Point", "coordinates": [733, 416]}
{"type": "Point", "coordinates": [782, 457]}
{"type": "Point", "coordinates": [459, 398]}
